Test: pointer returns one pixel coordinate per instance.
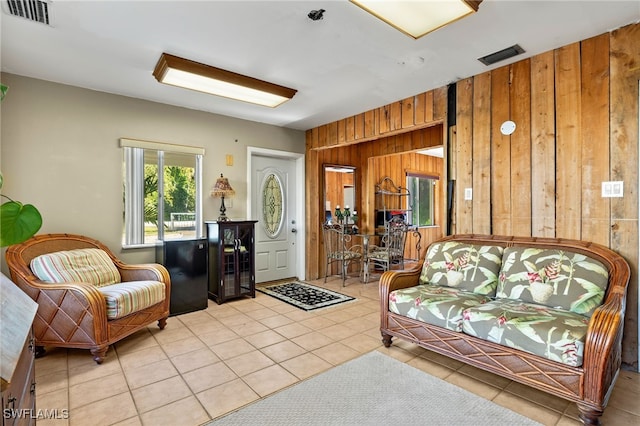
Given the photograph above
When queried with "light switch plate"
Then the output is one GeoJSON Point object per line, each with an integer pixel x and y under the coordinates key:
{"type": "Point", "coordinates": [468, 193]}
{"type": "Point", "coordinates": [612, 189]}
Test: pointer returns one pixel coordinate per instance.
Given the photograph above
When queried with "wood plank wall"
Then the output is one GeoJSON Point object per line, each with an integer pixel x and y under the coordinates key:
{"type": "Point", "coordinates": [356, 155]}
{"type": "Point", "coordinates": [576, 111]}
{"type": "Point", "coordinates": [395, 167]}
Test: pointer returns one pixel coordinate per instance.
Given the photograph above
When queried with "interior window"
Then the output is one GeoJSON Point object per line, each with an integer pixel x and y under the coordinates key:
{"type": "Point", "coordinates": [421, 201]}
{"type": "Point", "coordinates": [162, 194]}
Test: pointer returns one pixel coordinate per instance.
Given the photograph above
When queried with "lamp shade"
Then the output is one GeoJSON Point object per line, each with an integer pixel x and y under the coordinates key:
{"type": "Point", "coordinates": [222, 188]}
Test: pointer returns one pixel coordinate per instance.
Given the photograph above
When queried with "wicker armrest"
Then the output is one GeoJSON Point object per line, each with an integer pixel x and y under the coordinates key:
{"type": "Point", "coordinates": [148, 271]}
{"type": "Point", "coordinates": [397, 279]}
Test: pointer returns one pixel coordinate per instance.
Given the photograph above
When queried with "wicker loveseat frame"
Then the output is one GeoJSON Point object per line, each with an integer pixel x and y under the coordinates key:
{"type": "Point", "coordinates": [589, 385]}
{"type": "Point", "coordinates": [74, 315]}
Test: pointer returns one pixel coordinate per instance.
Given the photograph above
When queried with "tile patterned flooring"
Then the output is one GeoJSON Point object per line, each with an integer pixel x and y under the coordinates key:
{"type": "Point", "coordinates": [210, 362]}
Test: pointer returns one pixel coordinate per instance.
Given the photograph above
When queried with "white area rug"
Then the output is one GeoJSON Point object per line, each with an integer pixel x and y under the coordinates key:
{"type": "Point", "coordinates": [373, 389]}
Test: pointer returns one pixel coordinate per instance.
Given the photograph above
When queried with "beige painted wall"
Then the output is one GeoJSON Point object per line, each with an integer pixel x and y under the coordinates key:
{"type": "Point", "coordinates": [59, 150]}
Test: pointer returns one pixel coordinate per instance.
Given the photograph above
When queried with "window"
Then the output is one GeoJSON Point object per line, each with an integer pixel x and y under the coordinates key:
{"type": "Point", "coordinates": [421, 201]}
{"type": "Point", "coordinates": [162, 192]}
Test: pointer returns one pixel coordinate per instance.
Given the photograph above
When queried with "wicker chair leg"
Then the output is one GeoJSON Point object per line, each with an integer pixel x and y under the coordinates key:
{"type": "Point", "coordinates": [162, 323]}
{"type": "Point", "coordinates": [40, 351]}
{"type": "Point", "coordinates": [589, 415]}
{"type": "Point", "coordinates": [99, 353]}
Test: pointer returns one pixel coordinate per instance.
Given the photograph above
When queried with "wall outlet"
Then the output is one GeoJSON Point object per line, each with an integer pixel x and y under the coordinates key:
{"type": "Point", "coordinates": [612, 189]}
{"type": "Point", "coordinates": [468, 193]}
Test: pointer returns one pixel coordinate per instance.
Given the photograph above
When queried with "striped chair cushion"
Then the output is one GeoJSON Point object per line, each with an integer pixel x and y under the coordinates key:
{"type": "Point", "coordinates": [131, 296]}
{"type": "Point", "coordinates": [91, 265]}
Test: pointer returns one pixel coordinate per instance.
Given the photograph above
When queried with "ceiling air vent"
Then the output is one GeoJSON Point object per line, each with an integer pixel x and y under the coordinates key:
{"type": "Point", "coordinates": [33, 10]}
{"type": "Point", "coordinates": [501, 55]}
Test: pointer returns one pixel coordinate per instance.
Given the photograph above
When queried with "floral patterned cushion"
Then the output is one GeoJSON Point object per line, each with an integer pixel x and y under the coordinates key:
{"type": "Point", "coordinates": [555, 278]}
{"type": "Point", "coordinates": [466, 266]}
{"type": "Point", "coordinates": [555, 334]}
{"type": "Point", "coordinates": [437, 305]}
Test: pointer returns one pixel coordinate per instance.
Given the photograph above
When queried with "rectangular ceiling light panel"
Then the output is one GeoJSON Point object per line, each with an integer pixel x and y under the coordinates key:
{"type": "Point", "coordinates": [192, 75]}
{"type": "Point", "coordinates": [417, 18]}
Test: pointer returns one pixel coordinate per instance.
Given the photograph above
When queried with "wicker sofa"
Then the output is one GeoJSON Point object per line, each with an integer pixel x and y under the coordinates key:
{"type": "Point", "coordinates": [87, 298]}
{"type": "Point", "coordinates": [547, 313]}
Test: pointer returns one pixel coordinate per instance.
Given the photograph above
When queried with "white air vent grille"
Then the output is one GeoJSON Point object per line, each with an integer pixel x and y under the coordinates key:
{"type": "Point", "coordinates": [33, 10]}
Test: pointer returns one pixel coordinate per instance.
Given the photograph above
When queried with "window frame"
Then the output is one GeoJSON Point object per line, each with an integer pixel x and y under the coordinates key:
{"type": "Point", "coordinates": [133, 150]}
{"type": "Point", "coordinates": [413, 200]}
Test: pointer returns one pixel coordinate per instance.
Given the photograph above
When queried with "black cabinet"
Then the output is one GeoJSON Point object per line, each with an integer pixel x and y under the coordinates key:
{"type": "Point", "coordinates": [186, 261]}
{"type": "Point", "coordinates": [231, 259]}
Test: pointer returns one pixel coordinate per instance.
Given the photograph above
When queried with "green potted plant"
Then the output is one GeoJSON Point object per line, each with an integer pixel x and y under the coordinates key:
{"type": "Point", "coordinates": [18, 222]}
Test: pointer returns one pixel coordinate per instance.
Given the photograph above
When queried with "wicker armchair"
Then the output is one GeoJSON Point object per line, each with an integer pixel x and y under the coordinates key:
{"type": "Point", "coordinates": [74, 314]}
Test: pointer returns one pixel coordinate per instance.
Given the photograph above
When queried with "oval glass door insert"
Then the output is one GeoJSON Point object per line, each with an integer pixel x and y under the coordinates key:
{"type": "Point", "coordinates": [272, 205]}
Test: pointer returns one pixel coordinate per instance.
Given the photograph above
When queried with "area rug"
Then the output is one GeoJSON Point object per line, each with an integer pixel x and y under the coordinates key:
{"type": "Point", "coordinates": [373, 389]}
{"type": "Point", "coordinates": [304, 296]}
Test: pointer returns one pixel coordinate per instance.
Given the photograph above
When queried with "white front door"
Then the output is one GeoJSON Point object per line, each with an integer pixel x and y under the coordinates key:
{"type": "Point", "coordinates": [273, 204]}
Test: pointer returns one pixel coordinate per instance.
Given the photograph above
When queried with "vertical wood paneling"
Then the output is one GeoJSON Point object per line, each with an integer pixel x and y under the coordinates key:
{"type": "Point", "coordinates": [395, 119]}
{"type": "Point", "coordinates": [568, 146]}
{"type": "Point", "coordinates": [350, 130]}
{"type": "Point", "coordinates": [543, 155]}
{"type": "Point", "coordinates": [500, 154]}
{"type": "Point", "coordinates": [520, 107]}
{"type": "Point", "coordinates": [594, 123]}
{"type": "Point", "coordinates": [624, 77]}
{"type": "Point", "coordinates": [359, 126]}
{"type": "Point", "coordinates": [576, 110]}
{"type": "Point", "coordinates": [440, 97]}
{"type": "Point", "coordinates": [332, 133]}
{"type": "Point", "coordinates": [408, 112]}
{"type": "Point", "coordinates": [369, 123]}
{"type": "Point", "coordinates": [419, 108]}
{"type": "Point", "coordinates": [464, 154]}
{"type": "Point", "coordinates": [342, 134]}
{"type": "Point", "coordinates": [482, 154]}
{"type": "Point", "coordinates": [384, 122]}
{"type": "Point", "coordinates": [428, 107]}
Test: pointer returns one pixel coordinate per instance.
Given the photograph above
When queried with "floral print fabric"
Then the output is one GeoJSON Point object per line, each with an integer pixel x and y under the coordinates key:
{"type": "Point", "coordinates": [464, 266]}
{"type": "Point", "coordinates": [437, 305]}
{"type": "Point", "coordinates": [554, 278]}
{"type": "Point", "coordinates": [555, 334]}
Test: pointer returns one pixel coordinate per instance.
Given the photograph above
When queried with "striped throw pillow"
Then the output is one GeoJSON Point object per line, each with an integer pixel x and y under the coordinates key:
{"type": "Point", "coordinates": [93, 266]}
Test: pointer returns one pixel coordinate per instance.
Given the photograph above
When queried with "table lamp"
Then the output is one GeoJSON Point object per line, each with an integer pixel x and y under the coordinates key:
{"type": "Point", "coordinates": [222, 189]}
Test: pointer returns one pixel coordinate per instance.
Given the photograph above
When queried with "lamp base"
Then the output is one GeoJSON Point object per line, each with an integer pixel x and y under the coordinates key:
{"type": "Point", "coordinates": [223, 210]}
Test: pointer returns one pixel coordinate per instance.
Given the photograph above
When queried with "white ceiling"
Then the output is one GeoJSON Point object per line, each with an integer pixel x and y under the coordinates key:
{"type": "Point", "coordinates": [347, 63]}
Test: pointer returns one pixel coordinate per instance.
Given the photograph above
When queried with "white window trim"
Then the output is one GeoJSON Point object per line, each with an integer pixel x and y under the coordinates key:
{"type": "Point", "coordinates": [134, 203]}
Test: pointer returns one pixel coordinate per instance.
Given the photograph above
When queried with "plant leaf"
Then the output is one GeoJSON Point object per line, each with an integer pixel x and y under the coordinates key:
{"type": "Point", "coordinates": [18, 222]}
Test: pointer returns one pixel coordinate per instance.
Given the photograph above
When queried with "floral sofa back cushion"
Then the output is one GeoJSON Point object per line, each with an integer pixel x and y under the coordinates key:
{"type": "Point", "coordinates": [464, 266]}
{"type": "Point", "coordinates": [555, 278]}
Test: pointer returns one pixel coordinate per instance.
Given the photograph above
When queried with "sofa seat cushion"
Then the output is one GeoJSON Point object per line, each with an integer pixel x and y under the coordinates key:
{"type": "Point", "coordinates": [131, 296]}
{"type": "Point", "coordinates": [554, 278]}
{"type": "Point", "coordinates": [91, 265]}
{"type": "Point", "coordinates": [551, 333]}
{"type": "Point", "coordinates": [474, 268]}
{"type": "Point", "coordinates": [432, 304]}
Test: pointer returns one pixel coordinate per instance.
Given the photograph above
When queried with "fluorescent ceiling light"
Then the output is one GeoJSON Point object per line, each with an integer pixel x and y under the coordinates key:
{"type": "Point", "coordinates": [192, 75]}
{"type": "Point", "coordinates": [418, 17]}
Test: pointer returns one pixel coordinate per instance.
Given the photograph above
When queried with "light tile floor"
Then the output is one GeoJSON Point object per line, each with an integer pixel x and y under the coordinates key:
{"type": "Point", "coordinates": [210, 362]}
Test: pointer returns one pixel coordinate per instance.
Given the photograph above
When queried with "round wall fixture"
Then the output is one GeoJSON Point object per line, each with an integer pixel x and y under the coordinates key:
{"type": "Point", "coordinates": [508, 127]}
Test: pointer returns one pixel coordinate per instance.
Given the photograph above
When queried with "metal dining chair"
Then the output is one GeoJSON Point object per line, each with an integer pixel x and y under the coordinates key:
{"type": "Point", "coordinates": [339, 249]}
{"type": "Point", "coordinates": [390, 251]}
